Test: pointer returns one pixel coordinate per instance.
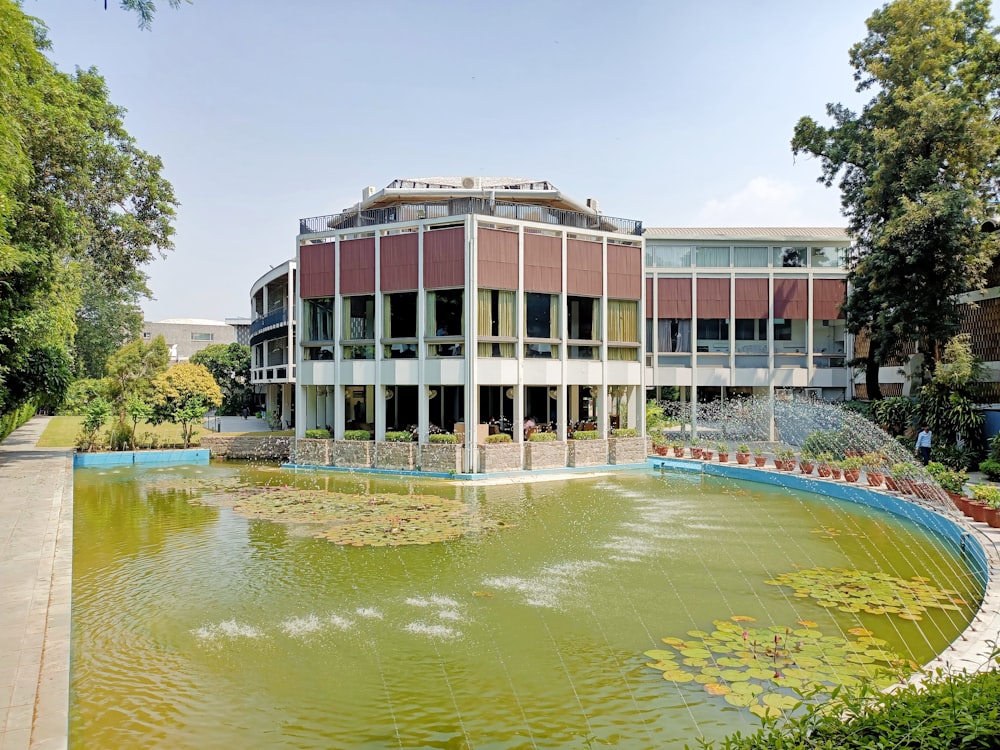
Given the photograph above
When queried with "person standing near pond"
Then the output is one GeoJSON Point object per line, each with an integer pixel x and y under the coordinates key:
{"type": "Point", "coordinates": [924, 444]}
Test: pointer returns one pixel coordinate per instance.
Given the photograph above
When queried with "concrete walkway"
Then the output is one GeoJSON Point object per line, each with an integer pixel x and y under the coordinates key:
{"type": "Point", "coordinates": [36, 556]}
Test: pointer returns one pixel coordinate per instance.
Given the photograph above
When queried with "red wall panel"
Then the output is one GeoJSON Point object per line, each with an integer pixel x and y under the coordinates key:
{"type": "Point", "coordinates": [649, 297]}
{"type": "Point", "coordinates": [828, 296]}
{"type": "Point", "coordinates": [497, 264]}
{"type": "Point", "coordinates": [444, 258]}
{"type": "Point", "coordinates": [584, 268]}
{"type": "Point", "coordinates": [751, 298]}
{"type": "Point", "coordinates": [673, 298]}
{"type": "Point", "coordinates": [713, 298]}
{"type": "Point", "coordinates": [398, 260]}
{"type": "Point", "coordinates": [624, 272]}
{"type": "Point", "coordinates": [542, 263]}
{"type": "Point", "coordinates": [791, 300]}
{"type": "Point", "coordinates": [317, 269]}
{"type": "Point", "coordinates": [357, 266]}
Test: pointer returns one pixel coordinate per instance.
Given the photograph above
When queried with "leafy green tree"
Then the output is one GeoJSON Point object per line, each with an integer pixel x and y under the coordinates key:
{"type": "Point", "coordinates": [138, 410]}
{"type": "Point", "coordinates": [79, 202]}
{"type": "Point", "coordinates": [918, 170]}
{"type": "Point", "coordinates": [96, 415]}
{"type": "Point", "coordinates": [948, 402]}
{"type": "Point", "coordinates": [183, 395]}
{"type": "Point", "coordinates": [230, 366]}
{"type": "Point", "coordinates": [131, 371]}
{"type": "Point", "coordinates": [145, 9]}
{"type": "Point", "coordinates": [106, 319]}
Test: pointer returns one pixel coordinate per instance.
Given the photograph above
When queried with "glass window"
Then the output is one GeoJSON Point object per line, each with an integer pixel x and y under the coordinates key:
{"type": "Point", "coordinates": [713, 329]}
{"type": "Point", "coordinates": [541, 316]}
{"type": "Point", "coordinates": [495, 317]}
{"type": "Point", "coordinates": [828, 257]}
{"type": "Point", "coordinates": [712, 257]}
{"type": "Point", "coordinates": [750, 257]}
{"type": "Point", "coordinates": [359, 318]}
{"type": "Point", "coordinates": [319, 319]}
{"type": "Point", "coordinates": [446, 312]}
{"type": "Point", "coordinates": [673, 335]}
{"type": "Point", "coordinates": [201, 336]}
{"type": "Point", "coordinates": [751, 329]}
{"type": "Point", "coordinates": [789, 257]}
{"type": "Point", "coordinates": [400, 319]}
{"type": "Point", "coordinates": [782, 329]}
{"type": "Point", "coordinates": [668, 256]}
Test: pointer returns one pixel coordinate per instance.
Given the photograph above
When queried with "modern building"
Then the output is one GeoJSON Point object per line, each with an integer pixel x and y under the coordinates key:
{"type": "Point", "coordinates": [185, 336]}
{"type": "Point", "coordinates": [440, 303]}
{"type": "Point", "coordinates": [746, 311]}
{"type": "Point", "coordinates": [242, 328]}
{"type": "Point", "coordinates": [271, 340]}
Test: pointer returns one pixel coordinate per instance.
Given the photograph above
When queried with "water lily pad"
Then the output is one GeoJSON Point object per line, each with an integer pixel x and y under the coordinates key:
{"type": "Point", "coordinates": [765, 712]}
{"type": "Point", "coordinates": [807, 624]}
{"type": "Point", "coordinates": [659, 654]}
{"type": "Point", "coordinates": [678, 675]}
{"type": "Point", "coordinates": [696, 653]}
{"type": "Point", "coordinates": [714, 688]}
{"type": "Point", "coordinates": [780, 701]}
{"type": "Point", "coordinates": [743, 700]}
{"type": "Point", "coordinates": [743, 618]}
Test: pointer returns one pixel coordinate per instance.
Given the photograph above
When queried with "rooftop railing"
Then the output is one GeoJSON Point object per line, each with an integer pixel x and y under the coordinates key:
{"type": "Point", "coordinates": [352, 219]}
{"type": "Point", "coordinates": [275, 317]}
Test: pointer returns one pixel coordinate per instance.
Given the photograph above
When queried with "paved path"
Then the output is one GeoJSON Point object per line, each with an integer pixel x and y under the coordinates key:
{"type": "Point", "coordinates": [36, 555]}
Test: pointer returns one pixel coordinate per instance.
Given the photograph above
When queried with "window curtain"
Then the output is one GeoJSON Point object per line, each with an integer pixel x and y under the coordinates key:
{"type": "Point", "coordinates": [750, 257]}
{"type": "Point", "coordinates": [432, 314]}
{"type": "Point", "coordinates": [484, 323]}
{"type": "Point", "coordinates": [622, 327]}
{"type": "Point", "coordinates": [347, 318]}
{"type": "Point", "coordinates": [683, 339]}
{"type": "Point", "coordinates": [664, 336]}
{"type": "Point", "coordinates": [712, 257]}
{"type": "Point", "coordinates": [553, 316]}
{"type": "Point", "coordinates": [387, 316]}
{"type": "Point", "coordinates": [506, 305]}
{"type": "Point", "coordinates": [595, 320]}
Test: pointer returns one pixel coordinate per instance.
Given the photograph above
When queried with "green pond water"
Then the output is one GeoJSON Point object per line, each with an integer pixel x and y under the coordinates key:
{"type": "Point", "coordinates": [196, 627]}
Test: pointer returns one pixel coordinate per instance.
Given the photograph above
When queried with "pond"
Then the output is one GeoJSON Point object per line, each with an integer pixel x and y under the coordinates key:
{"type": "Point", "coordinates": [197, 625]}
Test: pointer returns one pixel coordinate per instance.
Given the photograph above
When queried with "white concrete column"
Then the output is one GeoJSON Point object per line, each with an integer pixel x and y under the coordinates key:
{"type": "Point", "coordinates": [518, 416]}
{"type": "Point", "coordinates": [423, 405]}
{"type": "Point", "coordinates": [339, 415]}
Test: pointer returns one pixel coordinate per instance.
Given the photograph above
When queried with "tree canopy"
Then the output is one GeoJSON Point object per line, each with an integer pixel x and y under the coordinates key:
{"type": "Point", "coordinates": [82, 210]}
{"type": "Point", "coordinates": [183, 395]}
{"type": "Point", "coordinates": [917, 169]}
{"type": "Point", "coordinates": [230, 366]}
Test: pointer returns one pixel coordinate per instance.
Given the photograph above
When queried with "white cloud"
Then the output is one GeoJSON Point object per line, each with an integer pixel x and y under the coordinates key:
{"type": "Point", "coordinates": [768, 202]}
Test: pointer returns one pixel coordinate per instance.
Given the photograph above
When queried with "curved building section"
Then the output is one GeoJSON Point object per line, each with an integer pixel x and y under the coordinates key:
{"type": "Point", "coordinates": [272, 342]}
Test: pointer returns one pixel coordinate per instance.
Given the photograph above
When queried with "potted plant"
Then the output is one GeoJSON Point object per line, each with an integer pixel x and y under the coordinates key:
{"type": "Point", "coordinates": [759, 459]}
{"type": "Point", "coordinates": [989, 496]}
{"type": "Point", "coordinates": [678, 449]}
{"type": "Point", "coordinates": [695, 448]}
{"type": "Point", "coordinates": [807, 463]}
{"type": "Point", "coordinates": [824, 469]}
{"type": "Point", "coordinates": [743, 454]}
{"type": "Point", "coordinates": [723, 450]}
{"type": "Point", "coordinates": [660, 445]}
{"type": "Point", "coordinates": [873, 463]}
{"type": "Point", "coordinates": [706, 454]}
{"type": "Point", "coordinates": [787, 458]}
{"type": "Point", "coordinates": [852, 468]}
{"type": "Point", "coordinates": [982, 494]}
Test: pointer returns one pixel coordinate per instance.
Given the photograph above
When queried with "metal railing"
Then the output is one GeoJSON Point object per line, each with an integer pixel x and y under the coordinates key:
{"type": "Point", "coordinates": [273, 318]}
{"type": "Point", "coordinates": [352, 218]}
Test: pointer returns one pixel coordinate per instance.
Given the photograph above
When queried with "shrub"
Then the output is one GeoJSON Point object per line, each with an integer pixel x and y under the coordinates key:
{"type": "Point", "coordinates": [318, 434]}
{"type": "Point", "coordinates": [502, 437]}
{"type": "Point", "coordinates": [399, 436]}
{"type": "Point", "coordinates": [743, 448]}
{"type": "Point", "coordinates": [119, 437]}
{"type": "Point", "coordinates": [543, 437]}
{"type": "Point", "coordinates": [823, 441]}
{"type": "Point", "coordinates": [987, 493]}
{"type": "Point", "coordinates": [990, 468]}
{"type": "Point", "coordinates": [955, 457]}
{"type": "Point", "coordinates": [148, 439]}
{"type": "Point", "coordinates": [949, 479]}
{"type": "Point", "coordinates": [626, 432]}
{"type": "Point", "coordinates": [587, 435]}
{"type": "Point", "coordinates": [357, 435]}
{"type": "Point", "coordinates": [444, 438]}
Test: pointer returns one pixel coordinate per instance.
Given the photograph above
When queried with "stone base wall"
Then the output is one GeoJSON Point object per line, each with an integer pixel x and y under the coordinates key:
{"type": "Point", "coordinates": [249, 447]}
{"type": "Point", "coordinates": [587, 452]}
{"type": "Point", "coordinates": [442, 458]}
{"type": "Point", "coordinates": [396, 456]}
{"type": "Point", "coordinates": [494, 457]}
{"type": "Point", "coordinates": [551, 455]}
{"type": "Point", "coordinates": [312, 452]}
{"type": "Point", "coordinates": [629, 450]}
{"type": "Point", "coordinates": [354, 454]}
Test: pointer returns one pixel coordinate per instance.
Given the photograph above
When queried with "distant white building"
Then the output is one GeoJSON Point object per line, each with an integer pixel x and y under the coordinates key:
{"type": "Point", "coordinates": [185, 336]}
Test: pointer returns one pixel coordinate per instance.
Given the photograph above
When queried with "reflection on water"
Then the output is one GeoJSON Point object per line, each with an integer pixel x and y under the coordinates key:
{"type": "Point", "coordinates": [197, 628]}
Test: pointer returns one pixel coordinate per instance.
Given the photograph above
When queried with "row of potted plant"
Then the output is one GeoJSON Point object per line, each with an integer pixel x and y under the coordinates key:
{"type": "Point", "coordinates": [983, 506]}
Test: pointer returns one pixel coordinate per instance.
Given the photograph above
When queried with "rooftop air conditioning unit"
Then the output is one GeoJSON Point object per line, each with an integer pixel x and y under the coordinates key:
{"type": "Point", "coordinates": [593, 205]}
{"type": "Point", "coordinates": [471, 183]}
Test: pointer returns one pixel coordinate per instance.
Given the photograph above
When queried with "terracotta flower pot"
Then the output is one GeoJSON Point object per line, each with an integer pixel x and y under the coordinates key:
{"type": "Point", "coordinates": [707, 455]}
{"type": "Point", "coordinates": [779, 464]}
{"type": "Point", "coordinates": [742, 458]}
{"type": "Point", "coordinates": [992, 517]}
{"type": "Point", "coordinates": [874, 478]}
{"type": "Point", "coordinates": [978, 511]}
{"type": "Point", "coordinates": [723, 458]}
{"type": "Point", "coordinates": [760, 461]}
{"type": "Point", "coordinates": [824, 470]}
{"type": "Point", "coordinates": [835, 472]}
{"type": "Point", "coordinates": [790, 464]}
{"type": "Point", "coordinates": [661, 450]}
{"type": "Point", "coordinates": [890, 483]}
{"type": "Point", "coordinates": [851, 475]}
{"type": "Point", "coordinates": [679, 452]}
{"type": "Point", "coordinates": [696, 452]}
{"type": "Point", "coordinates": [806, 467]}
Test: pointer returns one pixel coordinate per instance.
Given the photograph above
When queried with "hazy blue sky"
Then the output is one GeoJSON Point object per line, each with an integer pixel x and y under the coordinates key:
{"type": "Point", "coordinates": [267, 111]}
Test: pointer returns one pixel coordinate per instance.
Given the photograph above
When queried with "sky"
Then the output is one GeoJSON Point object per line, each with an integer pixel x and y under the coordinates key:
{"type": "Point", "coordinates": [674, 113]}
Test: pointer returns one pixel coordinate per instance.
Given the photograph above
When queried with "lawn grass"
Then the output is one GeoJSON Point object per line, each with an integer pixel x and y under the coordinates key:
{"type": "Point", "coordinates": [61, 432]}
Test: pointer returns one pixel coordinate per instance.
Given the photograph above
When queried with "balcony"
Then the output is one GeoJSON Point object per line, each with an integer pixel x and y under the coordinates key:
{"type": "Point", "coordinates": [273, 318]}
{"type": "Point", "coordinates": [353, 219]}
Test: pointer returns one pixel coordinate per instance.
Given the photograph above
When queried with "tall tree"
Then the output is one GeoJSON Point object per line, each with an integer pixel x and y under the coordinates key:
{"type": "Point", "coordinates": [78, 201]}
{"type": "Point", "coordinates": [145, 9]}
{"type": "Point", "coordinates": [183, 395]}
{"type": "Point", "coordinates": [230, 366]}
{"type": "Point", "coordinates": [918, 170]}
